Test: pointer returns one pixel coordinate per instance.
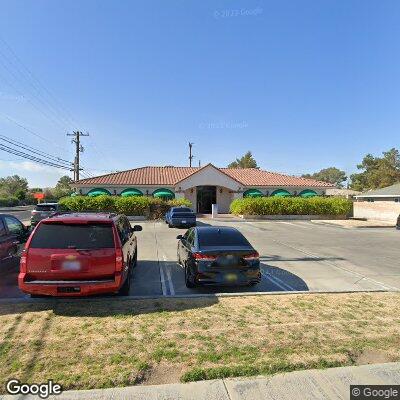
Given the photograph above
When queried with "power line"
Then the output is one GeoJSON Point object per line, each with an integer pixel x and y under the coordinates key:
{"type": "Point", "coordinates": [31, 158]}
{"type": "Point", "coordinates": [33, 150]}
{"type": "Point", "coordinates": [30, 74]}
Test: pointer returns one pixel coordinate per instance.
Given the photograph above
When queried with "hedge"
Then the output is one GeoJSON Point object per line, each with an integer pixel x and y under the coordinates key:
{"type": "Point", "coordinates": [291, 206]}
{"type": "Point", "coordinates": [8, 201]}
{"type": "Point", "coordinates": [135, 205]}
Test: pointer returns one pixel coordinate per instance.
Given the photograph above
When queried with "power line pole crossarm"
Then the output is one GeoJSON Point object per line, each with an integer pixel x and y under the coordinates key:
{"type": "Point", "coordinates": [78, 149]}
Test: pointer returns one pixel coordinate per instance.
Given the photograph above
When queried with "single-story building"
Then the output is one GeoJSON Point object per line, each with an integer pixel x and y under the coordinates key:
{"type": "Point", "coordinates": [389, 193]}
{"type": "Point", "coordinates": [380, 204]}
{"type": "Point", "coordinates": [203, 186]}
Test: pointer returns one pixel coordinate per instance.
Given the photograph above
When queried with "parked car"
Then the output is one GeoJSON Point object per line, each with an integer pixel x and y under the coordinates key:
{"type": "Point", "coordinates": [42, 211]}
{"type": "Point", "coordinates": [13, 233]}
{"type": "Point", "coordinates": [79, 254]}
{"type": "Point", "coordinates": [180, 217]}
{"type": "Point", "coordinates": [398, 222]}
{"type": "Point", "coordinates": [214, 255]}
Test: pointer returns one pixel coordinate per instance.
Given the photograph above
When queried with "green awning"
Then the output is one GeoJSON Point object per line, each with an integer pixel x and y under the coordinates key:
{"type": "Point", "coordinates": [281, 193]}
{"type": "Point", "coordinates": [98, 192]}
{"type": "Point", "coordinates": [164, 194]}
{"type": "Point", "coordinates": [131, 192]}
{"type": "Point", "coordinates": [252, 193]}
{"type": "Point", "coordinates": [308, 193]}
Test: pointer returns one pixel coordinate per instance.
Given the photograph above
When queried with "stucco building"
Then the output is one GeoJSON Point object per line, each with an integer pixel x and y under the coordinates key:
{"type": "Point", "coordinates": [202, 186]}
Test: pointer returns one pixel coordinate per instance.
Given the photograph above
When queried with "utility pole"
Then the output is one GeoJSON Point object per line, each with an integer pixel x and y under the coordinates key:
{"type": "Point", "coordinates": [78, 149]}
{"type": "Point", "coordinates": [190, 154]}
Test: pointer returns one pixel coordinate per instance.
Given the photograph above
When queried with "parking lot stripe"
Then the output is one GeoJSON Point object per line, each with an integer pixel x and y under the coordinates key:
{"type": "Point", "coordinates": [276, 281]}
{"type": "Point", "coordinates": [169, 279]}
{"type": "Point", "coordinates": [160, 266]}
{"type": "Point", "coordinates": [350, 272]}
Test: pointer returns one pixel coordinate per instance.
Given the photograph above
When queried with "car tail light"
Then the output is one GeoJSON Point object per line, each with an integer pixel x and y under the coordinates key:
{"type": "Point", "coordinates": [252, 256]}
{"type": "Point", "coordinates": [204, 257]}
{"type": "Point", "coordinates": [23, 261]}
{"type": "Point", "coordinates": [119, 260]}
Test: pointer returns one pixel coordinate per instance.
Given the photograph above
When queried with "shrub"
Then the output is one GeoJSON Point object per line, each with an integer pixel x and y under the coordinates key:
{"type": "Point", "coordinates": [148, 206]}
{"type": "Point", "coordinates": [291, 206]}
{"type": "Point", "coordinates": [8, 201]}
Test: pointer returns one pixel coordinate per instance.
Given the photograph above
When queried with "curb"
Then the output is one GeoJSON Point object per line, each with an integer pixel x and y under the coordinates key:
{"type": "Point", "coordinates": [16, 300]}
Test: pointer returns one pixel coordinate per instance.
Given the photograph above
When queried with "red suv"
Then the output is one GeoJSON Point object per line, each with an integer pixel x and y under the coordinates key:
{"type": "Point", "coordinates": [78, 255]}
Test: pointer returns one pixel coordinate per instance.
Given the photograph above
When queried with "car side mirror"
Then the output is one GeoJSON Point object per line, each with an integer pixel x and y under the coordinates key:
{"type": "Point", "coordinates": [137, 228]}
{"type": "Point", "coordinates": [179, 237]}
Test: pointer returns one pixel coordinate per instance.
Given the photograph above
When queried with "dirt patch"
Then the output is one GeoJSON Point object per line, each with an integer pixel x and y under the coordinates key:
{"type": "Point", "coordinates": [163, 373]}
{"type": "Point", "coordinates": [372, 356]}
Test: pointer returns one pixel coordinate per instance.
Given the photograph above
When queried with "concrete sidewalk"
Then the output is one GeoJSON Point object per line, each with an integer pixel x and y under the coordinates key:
{"type": "Point", "coordinates": [354, 223]}
{"type": "Point", "coordinates": [329, 384]}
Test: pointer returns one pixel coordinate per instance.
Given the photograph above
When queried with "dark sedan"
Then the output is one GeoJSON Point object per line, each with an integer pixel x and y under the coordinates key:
{"type": "Point", "coordinates": [214, 255]}
{"type": "Point", "coordinates": [42, 211]}
{"type": "Point", "coordinates": [180, 217]}
{"type": "Point", "coordinates": [13, 233]}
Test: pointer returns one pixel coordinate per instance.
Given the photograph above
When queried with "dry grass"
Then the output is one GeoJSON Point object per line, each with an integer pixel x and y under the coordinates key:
{"type": "Point", "coordinates": [97, 343]}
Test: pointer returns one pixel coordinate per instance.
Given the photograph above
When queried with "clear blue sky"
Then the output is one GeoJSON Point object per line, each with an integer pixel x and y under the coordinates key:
{"type": "Point", "coordinates": [303, 84]}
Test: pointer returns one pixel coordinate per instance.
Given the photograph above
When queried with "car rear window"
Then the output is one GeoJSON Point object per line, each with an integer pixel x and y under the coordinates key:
{"type": "Point", "coordinates": [67, 236]}
{"type": "Point", "coordinates": [46, 207]}
{"type": "Point", "coordinates": [181, 210]}
{"type": "Point", "coordinates": [222, 238]}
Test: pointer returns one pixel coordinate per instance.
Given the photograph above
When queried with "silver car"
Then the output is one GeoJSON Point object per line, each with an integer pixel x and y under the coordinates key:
{"type": "Point", "coordinates": [42, 211]}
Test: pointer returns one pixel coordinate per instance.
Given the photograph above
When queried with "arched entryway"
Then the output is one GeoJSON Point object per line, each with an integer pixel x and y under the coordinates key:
{"type": "Point", "coordinates": [206, 197]}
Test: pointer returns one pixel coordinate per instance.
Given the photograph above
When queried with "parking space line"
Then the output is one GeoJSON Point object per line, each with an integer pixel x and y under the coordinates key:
{"type": "Point", "coordinates": [357, 274]}
{"type": "Point", "coordinates": [162, 279]}
{"type": "Point", "coordinates": [169, 279]}
{"type": "Point", "coordinates": [291, 223]}
{"type": "Point", "coordinates": [160, 266]}
{"type": "Point", "coordinates": [278, 282]}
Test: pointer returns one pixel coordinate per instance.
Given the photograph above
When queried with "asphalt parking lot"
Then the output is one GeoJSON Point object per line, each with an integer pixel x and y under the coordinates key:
{"type": "Point", "coordinates": [295, 256]}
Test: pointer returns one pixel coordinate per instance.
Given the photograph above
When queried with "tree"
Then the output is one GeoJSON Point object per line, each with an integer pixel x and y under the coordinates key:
{"type": "Point", "coordinates": [247, 161]}
{"type": "Point", "coordinates": [63, 187]}
{"type": "Point", "coordinates": [331, 175]}
{"type": "Point", "coordinates": [378, 172]}
{"type": "Point", "coordinates": [11, 185]}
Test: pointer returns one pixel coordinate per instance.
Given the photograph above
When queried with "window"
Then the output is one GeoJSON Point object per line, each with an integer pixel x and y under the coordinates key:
{"type": "Point", "coordinates": [13, 225]}
{"type": "Point", "coordinates": [124, 229]}
{"type": "Point", "coordinates": [73, 236]}
{"type": "Point", "coordinates": [190, 239]}
{"type": "Point", "coordinates": [222, 237]}
{"type": "Point", "coordinates": [178, 210]}
{"type": "Point", "coordinates": [46, 207]}
{"type": "Point", "coordinates": [2, 228]}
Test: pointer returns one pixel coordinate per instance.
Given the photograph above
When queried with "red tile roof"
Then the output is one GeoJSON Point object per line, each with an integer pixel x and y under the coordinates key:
{"type": "Point", "coordinates": [169, 176]}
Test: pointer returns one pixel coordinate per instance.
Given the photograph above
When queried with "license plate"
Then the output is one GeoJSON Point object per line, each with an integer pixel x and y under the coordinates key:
{"type": "Point", "coordinates": [227, 260]}
{"type": "Point", "coordinates": [71, 265]}
{"type": "Point", "coordinates": [231, 277]}
{"type": "Point", "coordinates": [184, 222]}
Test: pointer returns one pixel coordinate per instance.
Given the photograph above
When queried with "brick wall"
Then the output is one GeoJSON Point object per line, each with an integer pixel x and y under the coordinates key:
{"type": "Point", "coordinates": [379, 210]}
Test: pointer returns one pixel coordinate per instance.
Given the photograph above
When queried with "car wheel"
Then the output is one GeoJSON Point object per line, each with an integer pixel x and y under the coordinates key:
{"type": "Point", "coordinates": [126, 287]}
{"type": "Point", "coordinates": [189, 284]}
{"type": "Point", "coordinates": [169, 226]}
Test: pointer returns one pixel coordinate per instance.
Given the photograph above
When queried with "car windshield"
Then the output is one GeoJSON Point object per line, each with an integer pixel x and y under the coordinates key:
{"type": "Point", "coordinates": [181, 210]}
{"type": "Point", "coordinates": [46, 207]}
{"type": "Point", "coordinates": [221, 238]}
{"type": "Point", "coordinates": [73, 236]}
